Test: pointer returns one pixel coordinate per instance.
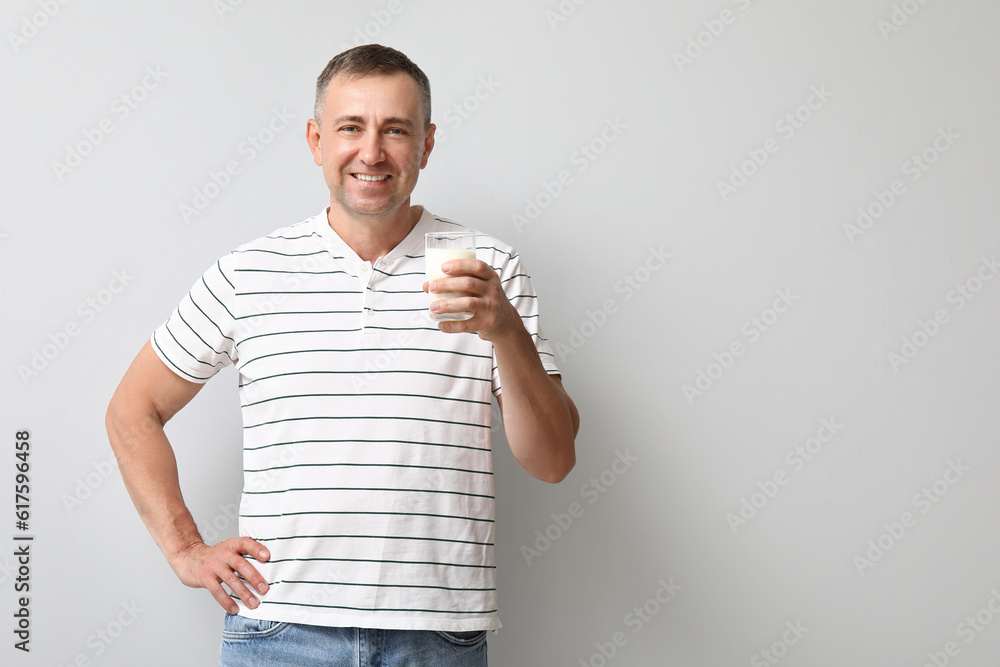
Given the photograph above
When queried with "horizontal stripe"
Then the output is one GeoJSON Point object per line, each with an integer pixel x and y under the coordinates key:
{"type": "Point", "coordinates": [371, 417]}
{"type": "Point", "coordinates": [516, 275]}
{"type": "Point", "coordinates": [293, 273]}
{"type": "Point", "coordinates": [399, 275]}
{"type": "Point", "coordinates": [412, 328]}
{"type": "Point", "coordinates": [401, 442]}
{"type": "Point", "coordinates": [369, 609]}
{"type": "Point", "coordinates": [370, 537]}
{"type": "Point", "coordinates": [438, 516]}
{"type": "Point", "coordinates": [300, 312]}
{"type": "Point", "coordinates": [359, 395]}
{"type": "Point", "coordinates": [398, 310]}
{"type": "Point", "coordinates": [282, 254]}
{"type": "Point", "coordinates": [380, 585]}
{"type": "Point", "coordinates": [372, 560]}
{"type": "Point", "coordinates": [298, 292]}
{"type": "Point", "coordinates": [302, 331]}
{"type": "Point", "coordinates": [369, 465]}
{"type": "Point", "coordinates": [292, 238]}
{"type": "Point", "coordinates": [366, 372]}
{"type": "Point", "coordinates": [363, 488]}
{"type": "Point", "coordinates": [347, 350]}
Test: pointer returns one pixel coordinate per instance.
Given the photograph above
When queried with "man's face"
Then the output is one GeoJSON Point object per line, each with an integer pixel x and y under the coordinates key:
{"type": "Point", "coordinates": [372, 143]}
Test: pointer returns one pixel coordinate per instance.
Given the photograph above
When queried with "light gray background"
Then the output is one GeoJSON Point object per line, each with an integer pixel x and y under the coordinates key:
{"type": "Point", "coordinates": [681, 130]}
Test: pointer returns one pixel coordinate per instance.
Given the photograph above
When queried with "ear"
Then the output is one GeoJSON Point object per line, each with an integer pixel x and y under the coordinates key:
{"type": "Point", "coordinates": [313, 139]}
{"type": "Point", "coordinates": [428, 145]}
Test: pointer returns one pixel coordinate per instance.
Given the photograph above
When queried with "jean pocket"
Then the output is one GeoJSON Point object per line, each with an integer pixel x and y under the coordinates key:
{"type": "Point", "coordinates": [240, 628]}
{"type": "Point", "coordinates": [470, 638]}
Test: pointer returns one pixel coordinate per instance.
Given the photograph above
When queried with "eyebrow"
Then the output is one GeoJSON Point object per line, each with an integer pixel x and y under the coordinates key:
{"type": "Point", "coordinates": [393, 120]}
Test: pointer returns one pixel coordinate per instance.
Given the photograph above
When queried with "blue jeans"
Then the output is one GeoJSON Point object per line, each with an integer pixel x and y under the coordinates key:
{"type": "Point", "coordinates": [247, 642]}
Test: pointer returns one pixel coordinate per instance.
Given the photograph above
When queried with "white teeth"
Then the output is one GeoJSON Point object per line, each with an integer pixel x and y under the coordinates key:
{"type": "Point", "coordinates": [366, 177]}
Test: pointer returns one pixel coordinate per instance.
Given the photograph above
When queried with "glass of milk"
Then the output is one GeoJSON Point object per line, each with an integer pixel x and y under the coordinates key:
{"type": "Point", "coordinates": [439, 247]}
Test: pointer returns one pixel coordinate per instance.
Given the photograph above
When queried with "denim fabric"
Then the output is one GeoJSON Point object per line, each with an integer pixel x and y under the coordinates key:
{"type": "Point", "coordinates": [248, 642]}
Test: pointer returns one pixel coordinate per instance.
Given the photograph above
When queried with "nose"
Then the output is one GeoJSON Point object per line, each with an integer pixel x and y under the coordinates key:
{"type": "Point", "coordinates": [371, 150]}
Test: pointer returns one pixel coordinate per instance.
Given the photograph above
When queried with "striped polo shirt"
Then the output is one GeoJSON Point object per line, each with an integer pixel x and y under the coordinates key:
{"type": "Point", "coordinates": [368, 468]}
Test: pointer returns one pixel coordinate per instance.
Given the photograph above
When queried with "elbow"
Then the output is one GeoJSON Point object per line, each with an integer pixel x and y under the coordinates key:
{"type": "Point", "coordinates": [111, 420]}
{"type": "Point", "coordinates": [559, 470]}
{"type": "Point", "coordinates": [554, 477]}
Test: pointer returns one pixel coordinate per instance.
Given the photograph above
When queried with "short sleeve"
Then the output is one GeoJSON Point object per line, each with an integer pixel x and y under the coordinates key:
{"type": "Point", "coordinates": [517, 286]}
{"type": "Point", "coordinates": [198, 339]}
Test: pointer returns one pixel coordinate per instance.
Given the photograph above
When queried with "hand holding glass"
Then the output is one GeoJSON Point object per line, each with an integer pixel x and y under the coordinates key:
{"type": "Point", "coordinates": [440, 247]}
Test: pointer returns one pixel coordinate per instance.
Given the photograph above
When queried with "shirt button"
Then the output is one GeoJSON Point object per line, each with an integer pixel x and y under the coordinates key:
{"type": "Point", "coordinates": [364, 266]}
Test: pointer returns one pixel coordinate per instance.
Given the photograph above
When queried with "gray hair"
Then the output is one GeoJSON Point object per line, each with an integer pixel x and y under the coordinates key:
{"type": "Point", "coordinates": [372, 59]}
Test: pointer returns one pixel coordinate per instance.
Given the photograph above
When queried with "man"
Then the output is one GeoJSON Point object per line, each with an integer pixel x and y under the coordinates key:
{"type": "Point", "coordinates": [366, 520]}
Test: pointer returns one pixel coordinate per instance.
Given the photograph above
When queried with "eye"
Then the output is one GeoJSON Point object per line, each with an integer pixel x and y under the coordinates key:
{"type": "Point", "coordinates": [350, 129]}
{"type": "Point", "coordinates": [397, 131]}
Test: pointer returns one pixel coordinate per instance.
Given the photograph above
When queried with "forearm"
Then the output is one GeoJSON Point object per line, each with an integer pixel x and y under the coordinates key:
{"type": "Point", "coordinates": [149, 470]}
{"type": "Point", "coordinates": [539, 418]}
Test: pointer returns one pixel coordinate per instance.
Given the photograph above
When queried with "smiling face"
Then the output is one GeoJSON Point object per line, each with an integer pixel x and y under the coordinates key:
{"type": "Point", "coordinates": [372, 141]}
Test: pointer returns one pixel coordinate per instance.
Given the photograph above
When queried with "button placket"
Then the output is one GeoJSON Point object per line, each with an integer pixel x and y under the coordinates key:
{"type": "Point", "coordinates": [367, 313]}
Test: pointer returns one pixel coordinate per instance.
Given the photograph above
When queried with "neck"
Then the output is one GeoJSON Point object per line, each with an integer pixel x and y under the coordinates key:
{"type": "Point", "coordinates": [371, 238]}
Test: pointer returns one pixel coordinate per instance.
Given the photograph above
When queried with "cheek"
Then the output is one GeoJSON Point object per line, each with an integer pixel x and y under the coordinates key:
{"type": "Point", "coordinates": [416, 160]}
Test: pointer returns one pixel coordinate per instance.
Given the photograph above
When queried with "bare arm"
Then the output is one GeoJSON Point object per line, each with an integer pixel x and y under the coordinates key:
{"type": "Point", "coordinates": [541, 422]}
{"type": "Point", "coordinates": [147, 397]}
{"type": "Point", "coordinates": [539, 418]}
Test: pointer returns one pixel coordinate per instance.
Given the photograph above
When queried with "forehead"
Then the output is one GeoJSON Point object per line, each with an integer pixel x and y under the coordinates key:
{"type": "Point", "coordinates": [374, 95]}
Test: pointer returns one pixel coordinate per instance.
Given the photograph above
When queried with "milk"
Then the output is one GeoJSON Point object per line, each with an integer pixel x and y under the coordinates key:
{"type": "Point", "coordinates": [435, 257]}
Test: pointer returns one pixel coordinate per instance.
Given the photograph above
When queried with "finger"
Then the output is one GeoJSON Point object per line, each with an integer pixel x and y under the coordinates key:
{"type": "Point", "coordinates": [468, 267]}
{"type": "Point", "coordinates": [222, 597]}
{"type": "Point", "coordinates": [229, 574]}
{"type": "Point", "coordinates": [210, 581]}
{"type": "Point", "coordinates": [458, 326]}
{"type": "Point", "coordinates": [463, 304]}
{"type": "Point", "coordinates": [464, 284]}
{"type": "Point", "coordinates": [250, 546]}
{"type": "Point", "coordinates": [250, 574]}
